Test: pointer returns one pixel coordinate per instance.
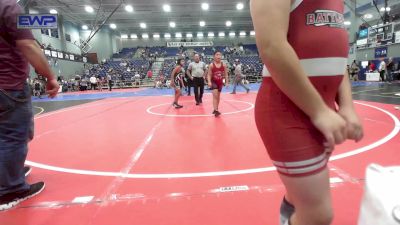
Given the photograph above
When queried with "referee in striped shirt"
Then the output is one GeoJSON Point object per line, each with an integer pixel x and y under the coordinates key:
{"type": "Point", "coordinates": [196, 72]}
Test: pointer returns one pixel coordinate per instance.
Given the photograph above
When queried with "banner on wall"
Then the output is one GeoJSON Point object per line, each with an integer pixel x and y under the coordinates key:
{"type": "Point", "coordinates": [381, 52]}
{"type": "Point", "coordinates": [189, 44]}
{"type": "Point", "coordinates": [397, 37]}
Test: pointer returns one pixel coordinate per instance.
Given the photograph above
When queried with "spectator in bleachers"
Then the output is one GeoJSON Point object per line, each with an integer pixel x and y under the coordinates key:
{"type": "Point", "coordinates": [354, 70]}
{"type": "Point", "coordinates": [390, 69]}
{"type": "Point", "coordinates": [371, 66]}
{"type": "Point", "coordinates": [100, 83]}
{"type": "Point", "coordinates": [37, 91]}
{"type": "Point", "coordinates": [149, 74]}
{"type": "Point", "coordinates": [109, 81]}
{"type": "Point", "coordinates": [93, 82]}
{"type": "Point", "coordinates": [83, 84]}
{"type": "Point", "coordinates": [382, 69]}
{"type": "Point", "coordinates": [137, 79]}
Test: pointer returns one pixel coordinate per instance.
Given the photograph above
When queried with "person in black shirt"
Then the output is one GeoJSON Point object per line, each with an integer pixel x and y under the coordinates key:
{"type": "Point", "coordinates": [390, 69]}
{"type": "Point", "coordinates": [354, 70]}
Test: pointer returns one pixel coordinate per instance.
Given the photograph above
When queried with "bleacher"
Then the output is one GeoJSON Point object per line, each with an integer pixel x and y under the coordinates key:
{"type": "Point", "coordinates": [252, 61]}
{"type": "Point", "coordinates": [125, 53]}
{"type": "Point", "coordinates": [173, 52]}
{"type": "Point", "coordinates": [168, 66]}
{"type": "Point", "coordinates": [137, 63]}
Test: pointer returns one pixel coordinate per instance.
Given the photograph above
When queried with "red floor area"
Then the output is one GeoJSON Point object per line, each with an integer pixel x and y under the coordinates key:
{"type": "Point", "coordinates": [144, 162]}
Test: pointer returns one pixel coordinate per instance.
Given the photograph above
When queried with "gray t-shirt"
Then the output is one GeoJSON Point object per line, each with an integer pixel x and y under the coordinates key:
{"type": "Point", "coordinates": [238, 71]}
{"type": "Point", "coordinates": [197, 69]}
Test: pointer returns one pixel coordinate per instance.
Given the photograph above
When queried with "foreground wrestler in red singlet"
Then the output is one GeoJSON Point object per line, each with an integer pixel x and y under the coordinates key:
{"type": "Point", "coordinates": [217, 72]}
{"type": "Point", "coordinates": [304, 45]}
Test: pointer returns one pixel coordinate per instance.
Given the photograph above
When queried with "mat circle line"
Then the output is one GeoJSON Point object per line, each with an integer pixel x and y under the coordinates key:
{"type": "Point", "coordinates": [149, 110]}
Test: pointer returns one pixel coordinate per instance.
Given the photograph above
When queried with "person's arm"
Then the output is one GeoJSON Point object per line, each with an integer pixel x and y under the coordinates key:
{"type": "Point", "coordinates": [173, 74]}
{"type": "Point", "coordinates": [226, 75]}
{"type": "Point", "coordinates": [286, 70]}
{"type": "Point", "coordinates": [205, 71]}
{"type": "Point", "coordinates": [26, 43]}
{"type": "Point", "coordinates": [31, 50]}
{"type": "Point", "coordinates": [209, 74]}
{"type": "Point", "coordinates": [347, 111]}
{"type": "Point", "coordinates": [344, 97]}
{"type": "Point", "coordinates": [189, 71]}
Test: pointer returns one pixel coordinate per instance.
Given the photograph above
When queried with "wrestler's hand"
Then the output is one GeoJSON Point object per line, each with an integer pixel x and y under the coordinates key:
{"type": "Point", "coordinates": [332, 126]}
{"type": "Point", "coordinates": [52, 88]}
{"type": "Point", "coordinates": [354, 126]}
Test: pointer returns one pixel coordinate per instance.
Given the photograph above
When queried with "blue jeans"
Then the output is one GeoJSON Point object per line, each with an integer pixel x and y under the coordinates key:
{"type": "Point", "coordinates": [16, 130]}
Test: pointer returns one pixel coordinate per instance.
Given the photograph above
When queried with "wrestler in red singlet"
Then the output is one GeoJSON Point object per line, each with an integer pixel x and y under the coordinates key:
{"type": "Point", "coordinates": [317, 34]}
{"type": "Point", "coordinates": [304, 45]}
{"type": "Point", "coordinates": [217, 77]}
{"type": "Point", "coordinates": [217, 72]}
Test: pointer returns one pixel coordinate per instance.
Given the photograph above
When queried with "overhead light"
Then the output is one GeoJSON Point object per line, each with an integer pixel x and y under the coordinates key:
{"type": "Point", "coordinates": [172, 24]}
{"type": "Point", "coordinates": [113, 26]}
{"type": "Point", "coordinates": [383, 9]}
{"type": "Point", "coordinates": [129, 8]}
{"type": "Point", "coordinates": [242, 33]}
{"type": "Point", "coordinates": [89, 9]}
{"type": "Point", "coordinates": [211, 34]}
{"type": "Point", "coordinates": [347, 23]}
{"type": "Point", "coordinates": [232, 34]}
{"type": "Point", "coordinates": [239, 6]}
{"type": "Point", "coordinates": [368, 16]}
{"type": "Point", "coordinates": [167, 35]}
{"type": "Point", "coordinates": [53, 11]}
{"type": "Point", "coordinates": [228, 23]}
{"type": "Point", "coordinates": [189, 35]}
{"type": "Point", "coordinates": [178, 35]}
{"type": "Point", "coordinates": [145, 36]}
{"type": "Point", "coordinates": [167, 8]}
{"type": "Point", "coordinates": [252, 33]}
{"type": "Point", "coordinates": [221, 34]}
{"type": "Point", "coordinates": [205, 6]}
{"type": "Point", "coordinates": [200, 35]}
{"type": "Point", "coordinates": [156, 35]}
{"type": "Point", "coordinates": [202, 23]}
{"type": "Point", "coordinates": [134, 36]}
{"type": "Point", "coordinates": [85, 27]}
{"type": "Point", "coordinates": [124, 36]}
{"type": "Point", "coordinates": [143, 25]}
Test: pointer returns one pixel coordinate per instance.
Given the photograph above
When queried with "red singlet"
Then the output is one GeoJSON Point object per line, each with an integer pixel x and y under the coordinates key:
{"type": "Point", "coordinates": [217, 77]}
{"type": "Point", "coordinates": [317, 34]}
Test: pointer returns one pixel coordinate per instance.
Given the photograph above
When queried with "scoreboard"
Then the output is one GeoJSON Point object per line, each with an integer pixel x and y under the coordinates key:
{"type": "Point", "coordinates": [379, 35]}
